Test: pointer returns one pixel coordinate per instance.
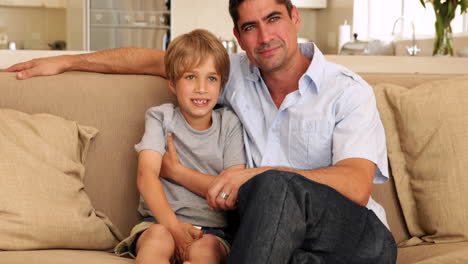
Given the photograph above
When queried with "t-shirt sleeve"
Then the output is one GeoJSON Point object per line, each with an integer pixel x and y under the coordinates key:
{"type": "Point", "coordinates": [233, 152]}
{"type": "Point", "coordinates": [154, 137]}
{"type": "Point", "coordinates": [359, 132]}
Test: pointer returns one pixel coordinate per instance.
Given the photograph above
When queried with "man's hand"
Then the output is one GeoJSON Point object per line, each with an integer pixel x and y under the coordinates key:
{"type": "Point", "coordinates": [41, 67]}
{"type": "Point", "coordinates": [229, 182]}
{"type": "Point", "coordinates": [184, 235]}
{"type": "Point", "coordinates": [171, 166]}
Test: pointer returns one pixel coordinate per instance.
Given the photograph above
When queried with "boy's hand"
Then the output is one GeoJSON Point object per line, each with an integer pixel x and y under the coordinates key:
{"type": "Point", "coordinates": [184, 235]}
{"type": "Point", "coordinates": [171, 166]}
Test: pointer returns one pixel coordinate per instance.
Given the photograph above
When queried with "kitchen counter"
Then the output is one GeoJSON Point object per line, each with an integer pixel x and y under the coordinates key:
{"type": "Point", "coordinates": [403, 64]}
{"type": "Point", "coordinates": [360, 64]}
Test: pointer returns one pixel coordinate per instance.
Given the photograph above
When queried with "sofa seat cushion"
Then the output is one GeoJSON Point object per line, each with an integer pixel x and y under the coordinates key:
{"type": "Point", "coordinates": [451, 253]}
{"type": "Point", "coordinates": [61, 256]}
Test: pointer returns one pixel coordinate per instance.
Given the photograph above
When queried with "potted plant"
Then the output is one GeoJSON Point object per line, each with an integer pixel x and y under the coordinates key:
{"type": "Point", "coordinates": [444, 13]}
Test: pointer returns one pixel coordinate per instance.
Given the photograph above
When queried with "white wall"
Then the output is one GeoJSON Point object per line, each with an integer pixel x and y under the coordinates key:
{"type": "Point", "coordinates": [212, 15]}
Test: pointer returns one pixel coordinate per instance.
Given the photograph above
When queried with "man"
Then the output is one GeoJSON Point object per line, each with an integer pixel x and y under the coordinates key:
{"type": "Point", "coordinates": [314, 123]}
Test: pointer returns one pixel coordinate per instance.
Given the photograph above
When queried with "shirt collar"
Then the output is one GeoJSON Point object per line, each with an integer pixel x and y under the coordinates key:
{"type": "Point", "coordinates": [316, 67]}
{"type": "Point", "coordinates": [253, 73]}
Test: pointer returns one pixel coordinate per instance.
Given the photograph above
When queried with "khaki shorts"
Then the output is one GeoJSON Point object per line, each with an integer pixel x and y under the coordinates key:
{"type": "Point", "coordinates": [127, 247]}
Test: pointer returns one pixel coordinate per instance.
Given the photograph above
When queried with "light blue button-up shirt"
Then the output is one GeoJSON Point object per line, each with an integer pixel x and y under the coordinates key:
{"type": "Point", "coordinates": [331, 117]}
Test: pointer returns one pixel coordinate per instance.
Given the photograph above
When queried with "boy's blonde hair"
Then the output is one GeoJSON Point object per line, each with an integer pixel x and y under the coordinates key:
{"type": "Point", "coordinates": [189, 50]}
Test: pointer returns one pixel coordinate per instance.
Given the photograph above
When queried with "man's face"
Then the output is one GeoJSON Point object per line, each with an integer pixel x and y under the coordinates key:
{"type": "Point", "coordinates": [267, 33]}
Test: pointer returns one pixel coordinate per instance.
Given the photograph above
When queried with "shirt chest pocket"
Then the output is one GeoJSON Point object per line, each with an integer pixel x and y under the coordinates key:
{"type": "Point", "coordinates": [310, 143]}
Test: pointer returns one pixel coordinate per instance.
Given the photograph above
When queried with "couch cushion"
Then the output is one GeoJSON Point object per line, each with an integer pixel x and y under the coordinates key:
{"type": "Point", "coordinates": [115, 105]}
{"type": "Point", "coordinates": [426, 128]}
{"type": "Point", "coordinates": [451, 253]}
{"type": "Point", "coordinates": [41, 185]}
{"type": "Point", "coordinates": [61, 257]}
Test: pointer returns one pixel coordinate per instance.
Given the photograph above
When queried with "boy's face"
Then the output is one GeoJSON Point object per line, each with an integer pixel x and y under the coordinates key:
{"type": "Point", "coordinates": [197, 92]}
{"type": "Point", "coordinates": [267, 33]}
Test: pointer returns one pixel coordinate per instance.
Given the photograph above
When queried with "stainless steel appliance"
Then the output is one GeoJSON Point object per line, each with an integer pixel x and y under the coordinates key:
{"type": "Point", "coordinates": [230, 45]}
{"type": "Point", "coordinates": [128, 23]}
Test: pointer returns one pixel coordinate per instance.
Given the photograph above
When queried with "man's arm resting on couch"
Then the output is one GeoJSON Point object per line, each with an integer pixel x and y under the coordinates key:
{"type": "Point", "coordinates": [121, 60]}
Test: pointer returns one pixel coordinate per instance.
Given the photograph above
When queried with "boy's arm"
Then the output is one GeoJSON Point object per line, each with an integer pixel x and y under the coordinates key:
{"type": "Point", "coordinates": [120, 60]}
{"type": "Point", "coordinates": [150, 187]}
{"type": "Point", "coordinates": [198, 182]}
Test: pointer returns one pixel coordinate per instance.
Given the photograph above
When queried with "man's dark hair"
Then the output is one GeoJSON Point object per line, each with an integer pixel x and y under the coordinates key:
{"type": "Point", "coordinates": [234, 5]}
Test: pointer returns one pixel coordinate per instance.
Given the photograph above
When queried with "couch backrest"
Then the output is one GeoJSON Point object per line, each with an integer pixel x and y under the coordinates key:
{"type": "Point", "coordinates": [115, 104]}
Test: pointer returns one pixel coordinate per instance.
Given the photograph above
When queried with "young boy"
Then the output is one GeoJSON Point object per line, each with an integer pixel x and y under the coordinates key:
{"type": "Point", "coordinates": [178, 225]}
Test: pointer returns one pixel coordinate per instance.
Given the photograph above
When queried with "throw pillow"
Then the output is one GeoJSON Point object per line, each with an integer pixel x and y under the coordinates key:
{"type": "Point", "coordinates": [427, 131]}
{"type": "Point", "coordinates": [43, 202]}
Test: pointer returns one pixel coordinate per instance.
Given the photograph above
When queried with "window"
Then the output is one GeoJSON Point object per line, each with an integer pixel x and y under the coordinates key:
{"type": "Point", "coordinates": [377, 19]}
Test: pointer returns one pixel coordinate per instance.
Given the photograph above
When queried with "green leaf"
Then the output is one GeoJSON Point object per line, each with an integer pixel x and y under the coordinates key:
{"type": "Point", "coordinates": [450, 10]}
{"type": "Point", "coordinates": [463, 6]}
{"type": "Point", "coordinates": [423, 3]}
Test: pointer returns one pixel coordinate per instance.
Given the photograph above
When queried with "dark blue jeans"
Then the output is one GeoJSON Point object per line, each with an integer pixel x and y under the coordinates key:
{"type": "Point", "coordinates": [287, 218]}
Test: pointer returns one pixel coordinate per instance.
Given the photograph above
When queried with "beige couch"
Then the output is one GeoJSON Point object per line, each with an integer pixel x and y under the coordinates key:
{"type": "Point", "coordinates": [115, 105]}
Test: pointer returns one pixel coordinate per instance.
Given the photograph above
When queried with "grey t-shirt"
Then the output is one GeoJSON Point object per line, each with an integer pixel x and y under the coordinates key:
{"type": "Point", "coordinates": [209, 151]}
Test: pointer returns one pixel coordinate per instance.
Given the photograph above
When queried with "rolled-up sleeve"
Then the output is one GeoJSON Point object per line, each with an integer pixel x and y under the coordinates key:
{"type": "Point", "coordinates": [359, 132]}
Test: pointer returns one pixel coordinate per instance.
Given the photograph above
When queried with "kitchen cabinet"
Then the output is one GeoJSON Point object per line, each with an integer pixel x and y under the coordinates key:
{"type": "Point", "coordinates": [212, 15]}
{"type": "Point", "coordinates": [35, 3]}
{"type": "Point", "coordinates": [310, 3]}
{"type": "Point", "coordinates": [55, 3]}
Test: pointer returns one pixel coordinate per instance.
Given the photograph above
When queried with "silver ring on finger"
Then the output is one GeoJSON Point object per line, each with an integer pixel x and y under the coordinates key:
{"type": "Point", "coordinates": [224, 195]}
